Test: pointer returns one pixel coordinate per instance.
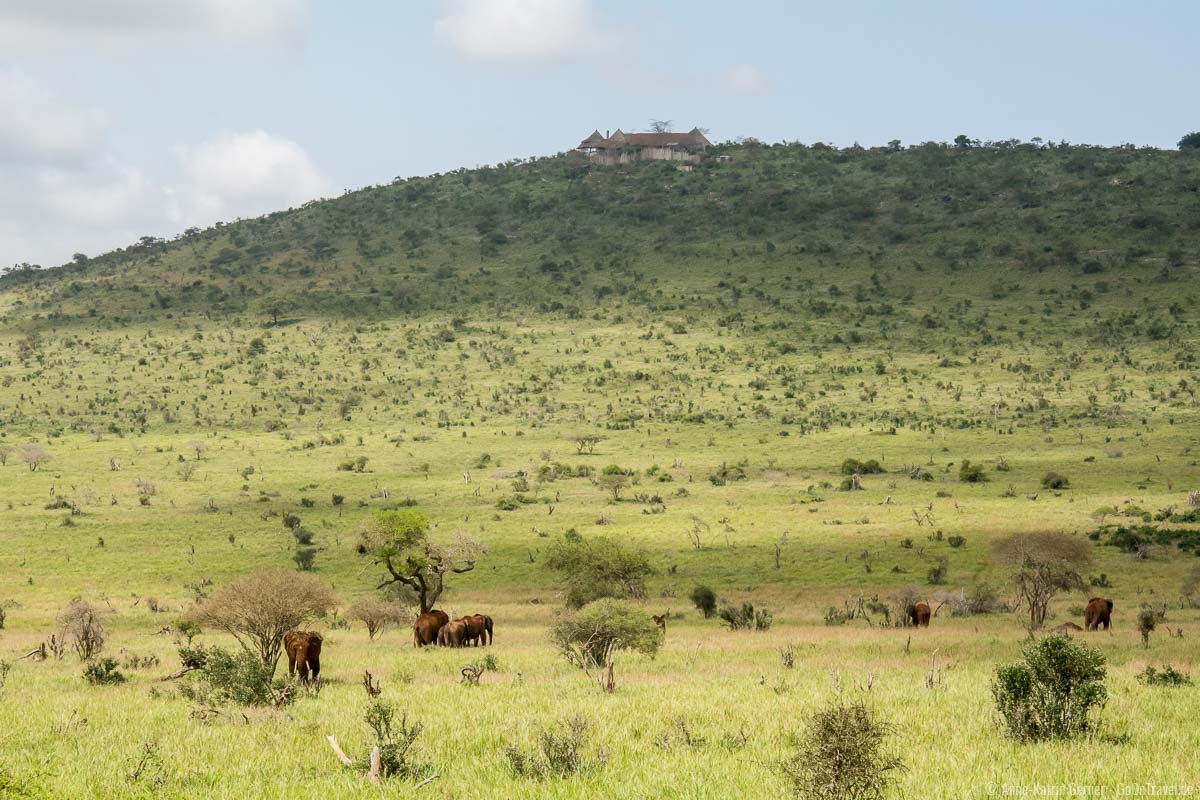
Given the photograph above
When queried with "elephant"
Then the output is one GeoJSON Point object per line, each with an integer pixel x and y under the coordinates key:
{"type": "Point", "coordinates": [453, 634]}
{"type": "Point", "coordinates": [425, 629]}
{"type": "Point", "coordinates": [303, 650]}
{"type": "Point", "coordinates": [477, 629]}
{"type": "Point", "coordinates": [1098, 612]}
{"type": "Point", "coordinates": [918, 615]}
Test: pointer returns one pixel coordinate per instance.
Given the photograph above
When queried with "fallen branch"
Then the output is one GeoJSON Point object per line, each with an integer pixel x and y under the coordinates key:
{"type": "Point", "coordinates": [426, 782]}
{"type": "Point", "coordinates": [337, 750]}
{"type": "Point", "coordinates": [39, 651]}
{"type": "Point", "coordinates": [178, 674]}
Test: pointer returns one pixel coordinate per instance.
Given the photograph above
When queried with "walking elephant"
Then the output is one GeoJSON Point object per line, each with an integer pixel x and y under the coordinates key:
{"type": "Point", "coordinates": [425, 629]}
{"type": "Point", "coordinates": [303, 650]}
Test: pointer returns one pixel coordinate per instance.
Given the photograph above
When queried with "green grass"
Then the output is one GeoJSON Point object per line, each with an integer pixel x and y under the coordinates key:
{"type": "Point", "coordinates": [883, 321]}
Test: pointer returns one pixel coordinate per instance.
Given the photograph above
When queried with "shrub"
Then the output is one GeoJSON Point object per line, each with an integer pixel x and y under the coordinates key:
{"type": "Point", "coordinates": [1053, 480]}
{"type": "Point", "coordinates": [937, 573]}
{"type": "Point", "coordinates": [972, 473]}
{"type": "Point", "coordinates": [1051, 693]}
{"type": "Point", "coordinates": [103, 672]}
{"type": "Point", "coordinates": [1147, 621]}
{"type": "Point", "coordinates": [599, 567]}
{"type": "Point", "coordinates": [377, 614]}
{"type": "Point", "coordinates": [1167, 676]}
{"type": "Point", "coordinates": [395, 739]}
{"type": "Point", "coordinates": [956, 541]}
{"type": "Point", "coordinates": [237, 677]}
{"type": "Point", "coordinates": [705, 600]}
{"type": "Point", "coordinates": [852, 466]}
{"type": "Point", "coordinates": [745, 618]}
{"type": "Point", "coordinates": [79, 623]}
{"type": "Point", "coordinates": [558, 753]}
{"type": "Point", "coordinates": [305, 558]}
{"type": "Point", "coordinates": [586, 637]}
{"type": "Point", "coordinates": [840, 754]}
{"type": "Point", "coordinates": [727, 473]}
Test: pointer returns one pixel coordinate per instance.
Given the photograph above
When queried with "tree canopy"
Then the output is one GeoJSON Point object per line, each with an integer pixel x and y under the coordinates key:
{"type": "Point", "coordinates": [400, 542]}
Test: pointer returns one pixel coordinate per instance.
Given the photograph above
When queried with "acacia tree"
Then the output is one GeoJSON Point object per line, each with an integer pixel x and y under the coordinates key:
{"type": "Point", "coordinates": [1042, 564]}
{"type": "Point", "coordinates": [258, 609]}
{"type": "Point", "coordinates": [34, 455]}
{"type": "Point", "coordinates": [400, 542]}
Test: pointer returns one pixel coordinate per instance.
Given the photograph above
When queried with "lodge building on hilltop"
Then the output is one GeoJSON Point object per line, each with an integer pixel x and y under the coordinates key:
{"type": "Point", "coordinates": [623, 148]}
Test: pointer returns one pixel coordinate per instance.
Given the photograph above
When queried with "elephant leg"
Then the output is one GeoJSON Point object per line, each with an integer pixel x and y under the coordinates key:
{"type": "Point", "coordinates": [314, 664]}
{"type": "Point", "coordinates": [291, 663]}
{"type": "Point", "coordinates": [302, 665]}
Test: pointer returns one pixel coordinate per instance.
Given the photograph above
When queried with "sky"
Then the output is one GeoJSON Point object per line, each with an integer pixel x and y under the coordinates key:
{"type": "Point", "coordinates": [126, 118]}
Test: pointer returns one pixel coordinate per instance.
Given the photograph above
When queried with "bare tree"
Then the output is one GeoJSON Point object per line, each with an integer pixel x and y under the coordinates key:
{"type": "Point", "coordinates": [6, 450]}
{"type": "Point", "coordinates": [661, 125]}
{"type": "Point", "coordinates": [258, 609]}
{"type": "Point", "coordinates": [378, 614]}
{"type": "Point", "coordinates": [400, 542]}
{"type": "Point", "coordinates": [197, 446]}
{"type": "Point", "coordinates": [34, 455]}
{"type": "Point", "coordinates": [79, 623]}
{"type": "Point", "coordinates": [1042, 564]}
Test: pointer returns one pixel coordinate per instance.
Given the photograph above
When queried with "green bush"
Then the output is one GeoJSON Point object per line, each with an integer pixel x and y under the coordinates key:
{"type": "Point", "coordinates": [1052, 480]}
{"type": "Point", "coordinates": [972, 473]}
{"type": "Point", "coordinates": [1167, 676]}
{"type": "Point", "coordinates": [599, 567]}
{"type": "Point", "coordinates": [395, 739]}
{"type": "Point", "coordinates": [852, 466]}
{"type": "Point", "coordinates": [746, 617]}
{"type": "Point", "coordinates": [103, 672]}
{"type": "Point", "coordinates": [1051, 694]}
{"type": "Point", "coordinates": [240, 678]}
{"type": "Point", "coordinates": [840, 755]}
{"type": "Point", "coordinates": [705, 600]}
{"type": "Point", "coordinates": [586, 637]}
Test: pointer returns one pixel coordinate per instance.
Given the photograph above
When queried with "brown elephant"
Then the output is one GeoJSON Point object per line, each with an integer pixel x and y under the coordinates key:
{"type": "Point", "coordinates": [487, 624]}
{"type": "Point", "coordinates": [476, 628]}
{"type": "Point", "coordinates": [453, 634]}
{"type": "Point", "coordinates": [303, 650]}
{"type": "Point", "coordinates": [1098, 612]}
{"type": "Point", "coordinates": [425, 629]}
{"type": "Point", "coordinates": [918, 615]}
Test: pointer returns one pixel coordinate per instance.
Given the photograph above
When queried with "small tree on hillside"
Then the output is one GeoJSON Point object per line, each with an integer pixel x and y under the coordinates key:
{"type": "Point", "coordinates": [1043, 564]}
{"type": "Point", "coordinates": [34, 455]}
{"type": "Point", "coordinates": [399, 541]}
{"type": "Point", "coordinates": [258, 609]}
{"type": "Point", "coordinates": [1190, 141]}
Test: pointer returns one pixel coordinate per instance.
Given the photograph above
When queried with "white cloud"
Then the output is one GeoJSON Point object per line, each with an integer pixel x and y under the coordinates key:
{"type": "Point", "coordinates": [62, 192]}
{"type": "Point", "coordinates": [746, 79]}
{"type": "Point", "coordinates": [36, 123]}
{"type": "Point", "coordinates": [241, 175]}
{"type": "Point", "coordinates": [41, 24]}
{"type": "Point", "coordinates": [520, 31]}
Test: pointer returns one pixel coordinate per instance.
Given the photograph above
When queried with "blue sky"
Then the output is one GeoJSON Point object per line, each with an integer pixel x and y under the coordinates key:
{"type": "Point", "coordinates": [143, 117]}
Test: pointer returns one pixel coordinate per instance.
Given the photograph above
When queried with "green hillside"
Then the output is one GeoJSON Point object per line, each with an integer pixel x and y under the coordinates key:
{"type": "Point", "coordinates": [1009, 330]}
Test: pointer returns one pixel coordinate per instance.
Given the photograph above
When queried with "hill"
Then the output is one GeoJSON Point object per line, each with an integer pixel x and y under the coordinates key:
{"type": "Point", "coordinates": [700, 365]}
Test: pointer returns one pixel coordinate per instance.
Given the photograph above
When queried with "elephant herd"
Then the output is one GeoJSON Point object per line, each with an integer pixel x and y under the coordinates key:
{"type": "Point", "coordinates": [1098, 613]}
{"type": "Point", "coordinates": [434, 627]}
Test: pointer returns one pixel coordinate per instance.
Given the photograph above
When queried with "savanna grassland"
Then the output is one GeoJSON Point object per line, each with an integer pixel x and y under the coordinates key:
{"type": "Point", "coordinates": [733, 334]}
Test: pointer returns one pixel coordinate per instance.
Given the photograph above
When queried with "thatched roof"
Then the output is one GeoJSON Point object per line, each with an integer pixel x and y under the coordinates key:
{"type": "Point", "coordinates": [618, 139]}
